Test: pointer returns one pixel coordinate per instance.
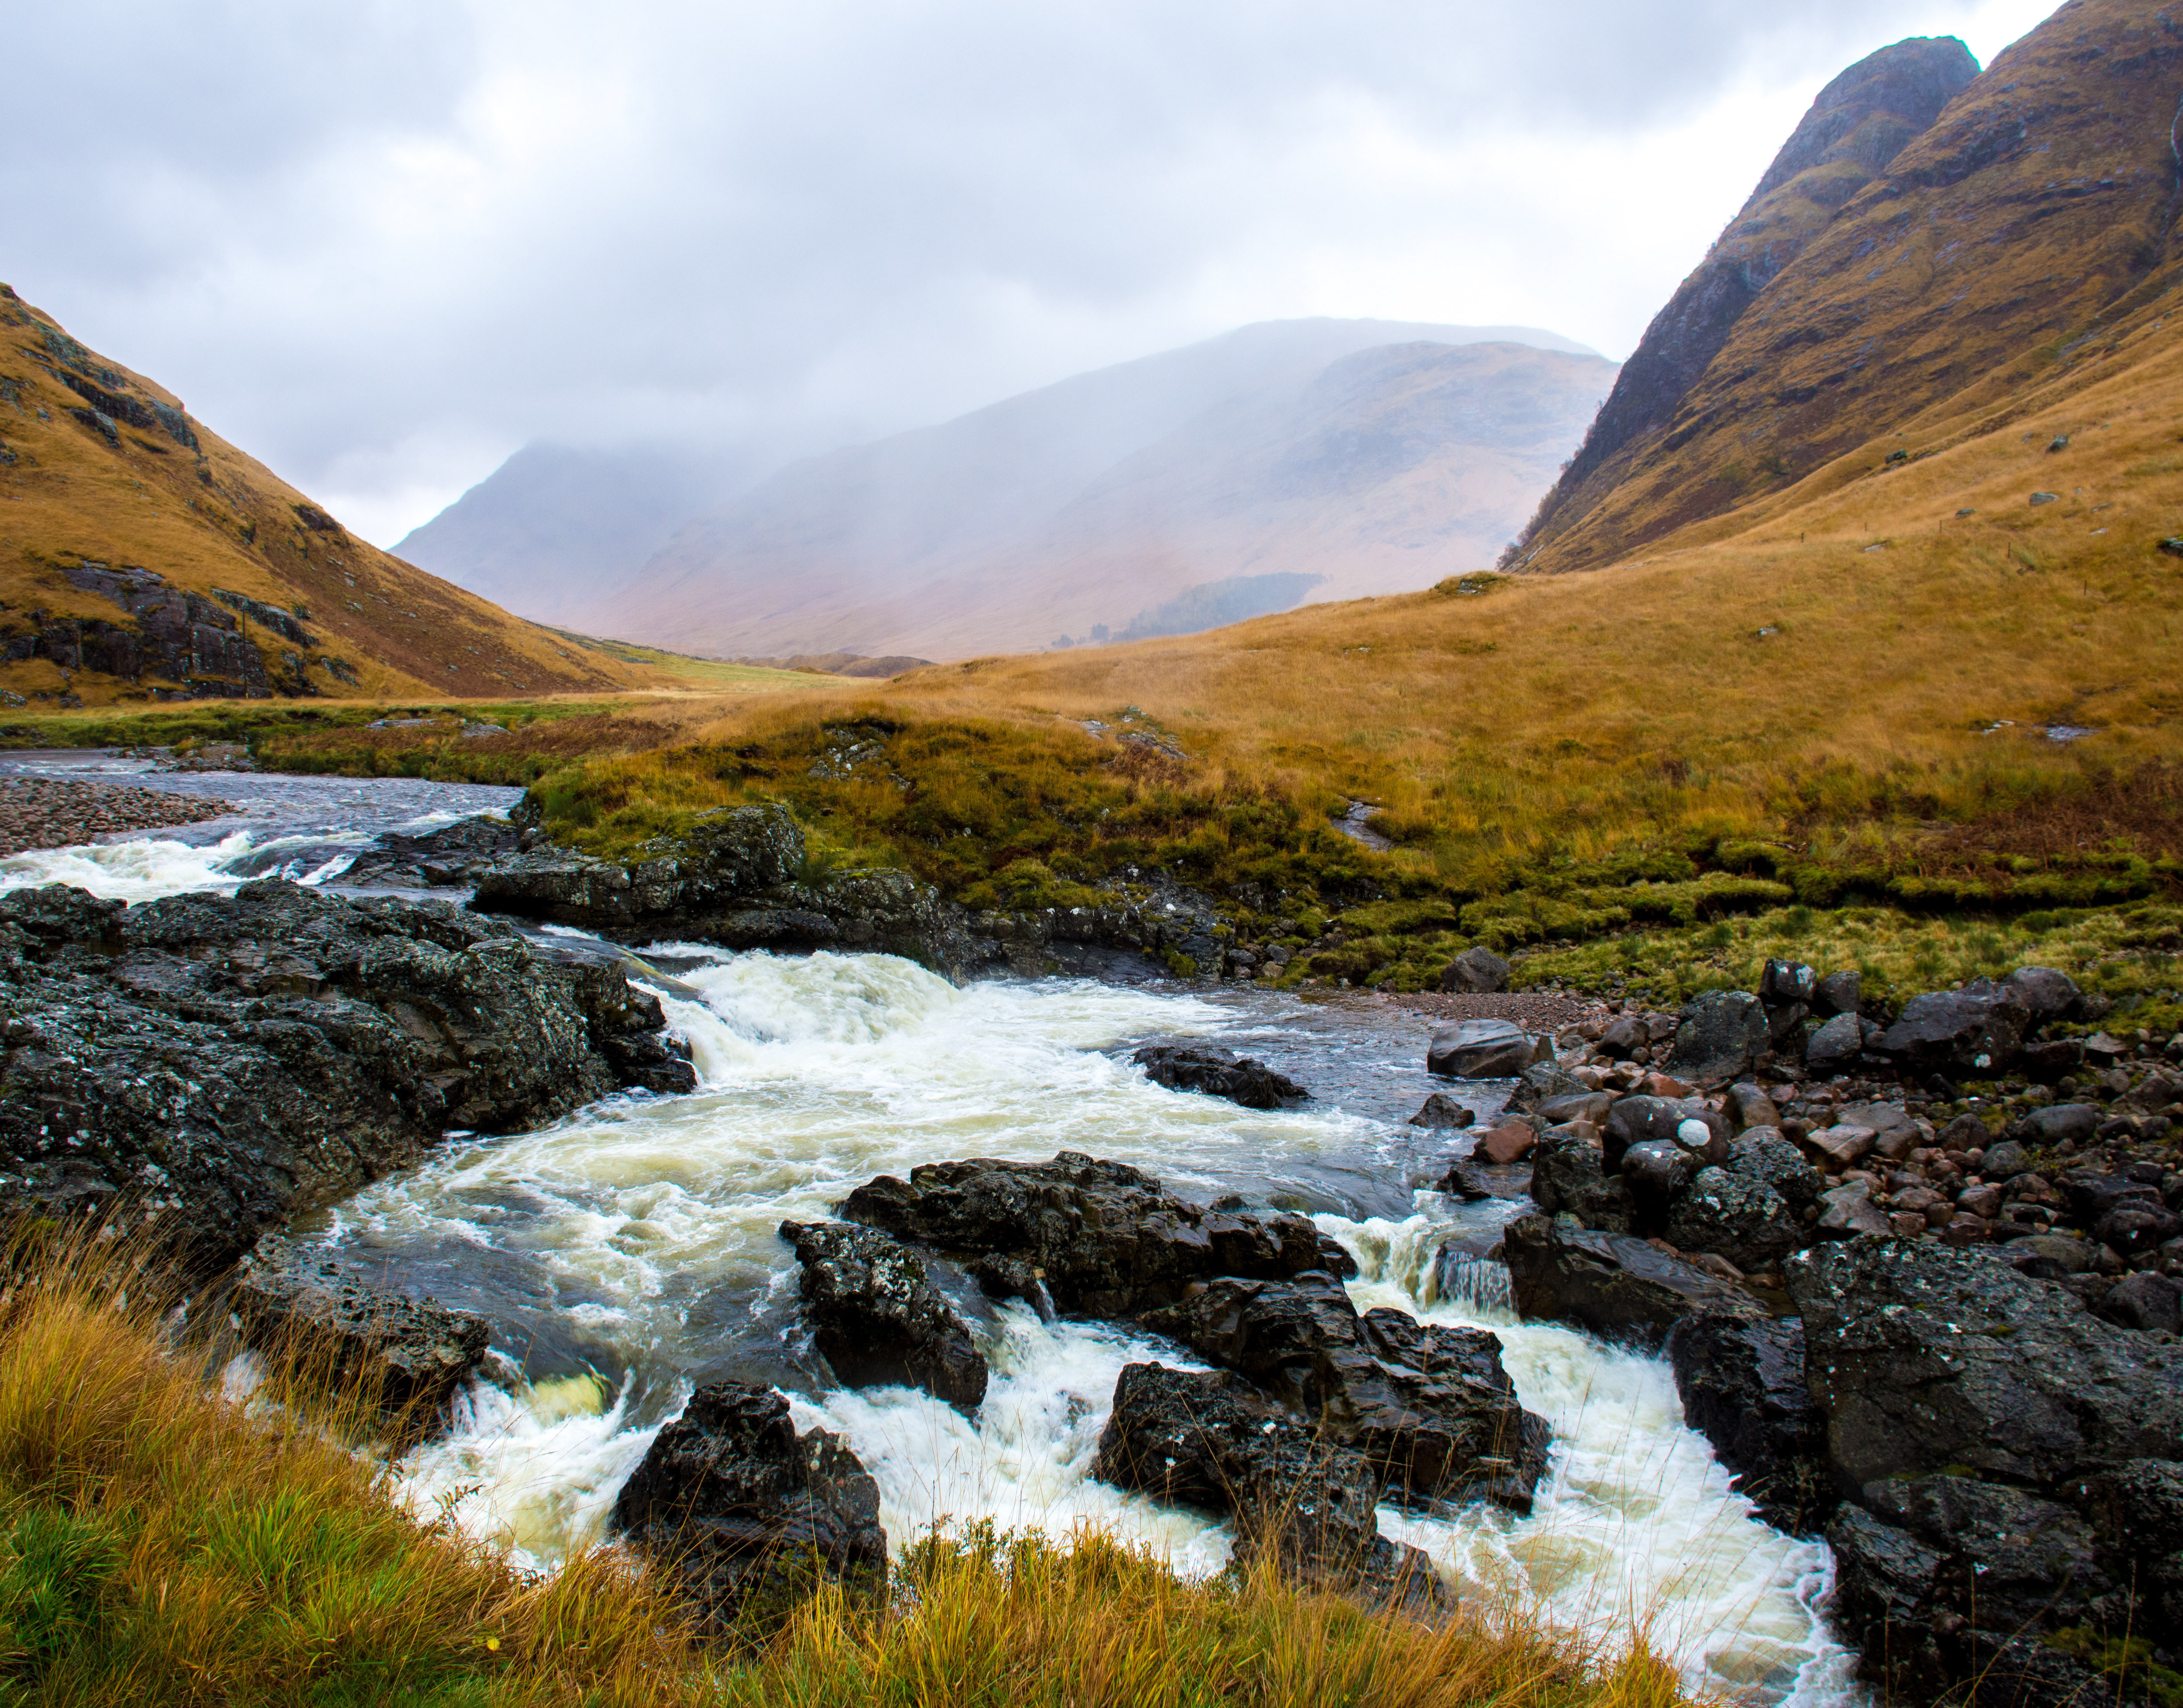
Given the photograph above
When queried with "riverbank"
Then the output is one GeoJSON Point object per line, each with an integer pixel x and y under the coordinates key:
{"type": "Point", "coordinates": [52, 812]}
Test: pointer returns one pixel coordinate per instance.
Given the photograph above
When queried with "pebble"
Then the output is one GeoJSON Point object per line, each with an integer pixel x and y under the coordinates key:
{"type": "Point", "coordinates": [53, 812]}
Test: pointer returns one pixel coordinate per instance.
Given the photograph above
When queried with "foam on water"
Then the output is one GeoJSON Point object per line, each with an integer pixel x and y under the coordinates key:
{"type": "Point", "coordinates": [131, 871]}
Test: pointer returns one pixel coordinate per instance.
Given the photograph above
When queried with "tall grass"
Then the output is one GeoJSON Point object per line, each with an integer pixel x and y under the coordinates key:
{"type": "Point", "coordinates": [161, 1542]}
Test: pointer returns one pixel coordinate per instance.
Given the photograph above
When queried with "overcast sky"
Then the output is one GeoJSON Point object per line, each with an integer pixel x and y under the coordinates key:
{"type": "Point", "coordinates": [381, 243]}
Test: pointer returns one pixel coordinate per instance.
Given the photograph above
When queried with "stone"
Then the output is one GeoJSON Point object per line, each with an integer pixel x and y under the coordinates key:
{"type": "Point", "coordinates": [1975, 1031]}
{"type": "Point", "coordinates": [1762, 1154]}
{"type": "Point", "coordinates": [1786, 983]}
{"type": "Point", "coordinates": [1544, 1082]}
{"type": "Point", "coordinates": [1845, 1213]}
{"type": "Point", "coordinates": [1894, 1134]}
{"type": "Point", "coordinates": [2136, 1227]}
{"type": "Point", "coordinates": [876, 1317]}
{"type": "Point", "coordinates": [1741, 1379]}
{"type": "Point", "coordinates": [1610, 1284]}
{"type": "Point", "coordinates": [1093, 1238]}
{"type": "Point", "coordinates": [1837, 993]}
{"type": "Point", "coordinates": [1834, 1048]}
{"type": "Point", "coordinates": [1431, 1408]}
{"type": "Point", "coordinates": [731, 1503]}
{"type": "Point", "coordinates": [454, 855]}
{"type": "Point", "coordinates": [1481, 1049]}
{"type": "Point", "coordinates": [1579, 1105]}
{"type": "Point", "coordinates": [1626, 1035]}
{"type": "Point", "coordinates": [1656, 1172]}
{"type": "Point", "coordinates": [2050, 1060]}
{"type": "Point", "coordinates": [1718, 1037]}
{"type": "Point", "coordinates": [1924, 1357]}
{"type": "Point", "coordinates": [1983, 1200]}
{"type": "Point", "coordinates": [2147, 1301]}
{"type": "Point", "coordinates": [2045, 994]}
{"type": "Point", "coordinates": [1637, 1120]}
{"type": "Point", "coordinates": [218, 1063]}
{"type": "Point", "coordinates": [1218, 1073]}
{"type": "Point", "coordinates": [1839, 1146]}
{"type": "Point", "coordinates": [1443, 1113]}
{"type": "Point", "coordinates": [2005, 1161]}
{"type": "Point", "coordinates": [1511, 1142]}
{"type": "Point", "coordinates": [1747, 1106]}
{"type": "Point", "coordinates": [1477, 970]}
{"type": "Point", "coordinates": [1568, 1176]}
{"type": "Point", "coordinates": [402, 1355]}
{"type": "Point", "coordinates": [2051, 1256]}
{"type": "Point", "coordinates": [2048, 1127]}
{"type": "Point", "coordinates": [1735, 1217]}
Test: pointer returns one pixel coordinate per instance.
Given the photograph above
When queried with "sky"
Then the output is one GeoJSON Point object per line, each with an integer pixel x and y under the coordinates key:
{"type": "Point", "coordinates": [381, 244]}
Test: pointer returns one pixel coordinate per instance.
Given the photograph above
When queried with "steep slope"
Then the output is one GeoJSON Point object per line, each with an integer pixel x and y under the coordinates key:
{"type": "Point", "coordinates": [552, 525]}
{"type": "Point", "coordinates": [1374, 455]}
{"type": "Point", "coordinates": [2038, 207]}
{"type": "Point", "coordinates": [142, 557]}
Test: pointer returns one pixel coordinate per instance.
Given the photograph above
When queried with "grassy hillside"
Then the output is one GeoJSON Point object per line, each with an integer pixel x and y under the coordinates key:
{"type": "Point", "coordinates": [100, 466]}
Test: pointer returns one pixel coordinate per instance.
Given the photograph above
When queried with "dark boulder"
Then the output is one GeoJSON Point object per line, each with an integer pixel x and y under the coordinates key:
{"type": "Point", "coordinates": [406, 1356]}
{"type": "Point", "coordinates": [877, 1318]}
{"type": "Point", "coordinates": [1544, 1082]}
{"type": "Point", "coordinates": [1568, 1176]}
{"type": "Point", "coordinates": [1218, 1073]}
{"type": "Point", "coordinates": [2005, 1161]}
{"type": "Point", "coordinates": [1718, 1037]}
{"type": "Point", "coordinates": [1835, 1047]}
{"type": "Point", "coordinates": [2148, 1301]}
{"type": "Point", "coordinates": [1787, 984]}
{"type": "Point", "coordinates": [1482, 1050]}
{"type": "Point", "coordinates": [1974, 1032]}
{"type": "Point", "coordinates": [2136, 1511]}
{"type": "Point", "coordinates": [1585, 1105]}
{"type": "Point", "coordinates": [231, 1060]}
{"type": "Point", "coordinates": [456, 854]}
{"type": "Point", "coordinates": [1614, 1285]}
{"type": "Point", "coordinates": [1762, 1154]}
{"type": "Point", "coordinates": [1443, 1113]}
{"type": "Point", "coordinates": [2046, 994]}
{"type": "Point", "coordinates": [1837, 993]}
{"type": "Point", "coordinates": [1626, 1035]}
{"type": "Point", "coordinates": [1478, 971]}
{"type": "Point", "coordinates": [1658, 1172]}
{"type": "Point", "coordinates": [1748, 1105]}
{"type": "Point", "coordinates": [1741, 1378]}
{"type": "Point", "coordinates": [1431, 1408]}
{"type": "Point", "coordinates": [1683, 1122]}
{"type": "Point", "coordinates": [1094, 1239]}
{"type": "Point", "coordinates": [733, 1503]}
{"type": "Point", "coordinates": [2074, 1122]}
{"type": "Point", "coordinates": [1733, 1215]}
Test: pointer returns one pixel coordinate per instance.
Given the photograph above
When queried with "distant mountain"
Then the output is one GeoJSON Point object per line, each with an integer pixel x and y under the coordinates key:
{"type": "Point", "coordinates": [1340, 457]}
{"type": "Point", "coordinates": [1930, 247]}
{"type": "Point", "coordinates": [144, 558]}
{"type": "Point", "coordinates": [552, 525]}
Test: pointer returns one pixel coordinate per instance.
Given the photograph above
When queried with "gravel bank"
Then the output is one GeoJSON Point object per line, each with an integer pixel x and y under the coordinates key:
{"type": "Point", "coordinates": [48, 812]}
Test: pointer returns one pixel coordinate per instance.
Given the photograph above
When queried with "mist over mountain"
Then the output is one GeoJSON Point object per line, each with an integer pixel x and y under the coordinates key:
{"type": "Point", "coordinates": [1374, 456]}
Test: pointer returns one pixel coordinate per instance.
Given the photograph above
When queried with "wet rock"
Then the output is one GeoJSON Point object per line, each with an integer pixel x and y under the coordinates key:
{"type": "Point", "coordinates": [1443, 1113]}
{"type": "Point", "coordinates": [407, 1356]}
{"type": "Point", "coordinates": [1747, 1106]}
{"type": "Point", "coordinates": [1786, 984]}
{"type": "Point", "coordinates": [2072, 1122]}
{"type": "Point", "coordinates": [2045, 994]}
{"type": "Point", "coordinates": [877, 1318]}
{"type": "Point", "coordinates": [1835, 1047]}
{"type": "Point", "coordinates": [1475, 970]}
{"type": "Point", "coordinates": [1718, 1037]}
{"type": "Point", "coordinates": [1568, 1176]}
{"type": "Point", "coordinates": [1430, 1407]}
{"type": "Point", "coordinates": [733, 1503]}
{"type": "Point", "coordinates": [1511, 1141]}
{"type": "Point", "coordinates": [1685, 1122]}
{"type": "Point", "coordinates": [1482, 1050]}
{"type": "Point", "coordinates": [2148, 1302]}
{"type": "Point", "coordinates": [1837, 993]}
{"type": "Point", "coordinates": [1097, 1238]}
{"type": "Point", "coordinates": [1591, 1106]}
{"type": "Point", "coordinates": [1762, 1154]}
{"type": "Point", "coordinates": [1975, 1031]}
{"type": "Point", "coordinates": [1218, 1073]}
{"type": "Point", "coordinates": [220, 1063]}
{"type": "Point", "coordinates": [1541, 1083]}
{"type": "Point", "coordinates": [1924, 1357]}
{"type": "Point", "coordinates": [1617, 1287]}
{"type": "Point", "coordinates": [455, 854]}
{"type": "Point", "coordinates": [1658, 1172]}
{"type": "Point", "coordinates": [1741, 1378]}
{"type": "Point", "coordinates": [1736, 1216]}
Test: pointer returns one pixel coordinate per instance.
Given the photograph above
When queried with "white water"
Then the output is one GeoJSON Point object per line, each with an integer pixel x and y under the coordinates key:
{"type": "Point", "coordinates": [821, 1072]}
{"type": "Point", "coordinates": [147, 869]}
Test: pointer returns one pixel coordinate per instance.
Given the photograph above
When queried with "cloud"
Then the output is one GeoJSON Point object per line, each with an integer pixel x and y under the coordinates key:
{"type": "Point", "coordinates": [382, 245]}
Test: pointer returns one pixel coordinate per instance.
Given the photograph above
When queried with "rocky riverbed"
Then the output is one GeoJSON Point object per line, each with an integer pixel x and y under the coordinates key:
{"type": "Point", "coordinates": [54, 812]}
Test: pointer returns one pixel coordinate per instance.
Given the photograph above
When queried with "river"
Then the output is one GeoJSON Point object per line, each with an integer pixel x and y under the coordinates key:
{"type": "Point", "coordinates": [628, 1252]}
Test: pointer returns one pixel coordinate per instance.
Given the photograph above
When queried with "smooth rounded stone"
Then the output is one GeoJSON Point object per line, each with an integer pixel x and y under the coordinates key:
{"type": "Point", "coordinates": [1741, 1379]}
{"type": "Point", "coordinates": [876, 1317]}
{"type": "Point", "coordinates": [1657, 1170]}
{"type": "Point", "coordinates": [1763, 1155]}
{"type": "Point", "coordinates": [1482, 1050]}
{"type": "Point", "coordinates": [405, 1356]}
{"type": "Point", "coordinates": [2005, 1161]}
{"type": "Point", "coordinates": [1677, 1121]}
{"type": "Point", "coordinates": [1578, 1105]}
{"type": "Point", "coordinates": [1092, 1238]}
{"type": "Point", "coordinates": [1611, 1284]}
{"type": "Point", "coordinates": [1983, 1201]}
{"type": "Point", "coordinates": [730, 1502]}
{"type": "Point", "coordinates": [1748, 1105]}
{"type": "Point", "coordinates": [1733, 1216]}
{"type": "Point", "coordinates": [1719, 1036]}
{"type": "Point", "coordinates": [1837, 993]}
{"type": "Point", "coordinates": [1568, 1176]}
{"type": "Point", "coordinates": [2060, 1122]}
{"type": "Point", "coordinates": [2147, 1301]}
{"type": "Point", "coordinates": [1443, 1114]}
{"type": "Point", "coordinates": [1975, 1031]}
{"type": "Point", "coordinates": [2046, 994]}
{"type": "Point", "coordinates": [2136, 1228]}
{"type": "Point", "coordinates": [1835, 1047]}
{"type": "Point", "coordinates": [1626, 1035]}
{"type": "Point", "coordinates": [1784, 983]}
{"type": "Point", "coordinates": [238, 1059]}
{"type": "Point", "coordinates": [1218, 1073]}
{"type": "Point", "coordinates": [1511, 1141]}
{"type": "Point", "coordinates": [1476, 970]}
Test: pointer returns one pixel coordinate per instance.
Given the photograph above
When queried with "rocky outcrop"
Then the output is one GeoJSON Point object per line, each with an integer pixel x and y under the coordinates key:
{"type": "Point", "coordinates": [1741, 1378]}
{"type": "Point", "coordinates": [1218, 1073]}
{"type": "Point", "coordinates": [1972, 1032]}
{"type": "Point", "coordinates": [216, 1064]}
{"type": "Point", "coordinates": [1430, 1409]}
{"type": "Point", "coordinates": [1613, 1285]}
{"type": "Point", "coordinates": [454, 856]}
{"type": "Point", "coordinates": [877, 1318]}
{"type": "Point", "coordinates": [405, 1356]}
{"type": "Point", "coordinates": [1084, 1236]}
{"type": "Point", "coordinates": [736, 1506]}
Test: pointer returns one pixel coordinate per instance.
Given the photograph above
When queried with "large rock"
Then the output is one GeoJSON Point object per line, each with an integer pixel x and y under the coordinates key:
{"type": "Point", "coordinates": [223, 1062]}
{"type": "Point", "coordinates": [1685, 1122]}
{"type": "Point", "coordinates": [2046, 994]}
{"type": "Point", "coordinates": [1736, 1216]}
{"type": "Point", "coordinates": [1718, 1037]}
{"type": "Point", "coordinates": [877, 1317]}
{"type": "Point", "coordinates": [1483, 1049]}
{"type": "Point", "coordinates": [1975, 1031]}
{"type": "Point", "coordinates": [1431, 1408]}
{"type": "Point", "coordinates": [405, 1356]}
{"type": "Point", "coordinates": [454, 855]}
{"type": "Point", "coordinates": [1835, 1047]}
{"type": "Point", "coordinates": [1544, 1082]}
{"type": "Point", "coordinates": [1093, 1238]}
{"type": "Point", "coordinates": [741, 877]}
{"type": "Point", "coordinates": [1570, 1178]}
{"type": "Point", "coordinates": [1443, 1113]}
{"type": "Point", "coordinates": [1476, 971]}
{"type": "Point", "coordinates": [1741, 1378]}
{"type": "Point", "coordinates": [1614, 1285]}
{"type": "Point", "coordinates": [1218, 1073]}
{"type": "Point", "coordinates": [732, 1503]}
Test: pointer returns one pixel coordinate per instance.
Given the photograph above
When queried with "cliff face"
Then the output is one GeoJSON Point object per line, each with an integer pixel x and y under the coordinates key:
{"type": "Point", "coordinates": [142, 558]}
{"type": "Point", "coordinates": [1859, 124]}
